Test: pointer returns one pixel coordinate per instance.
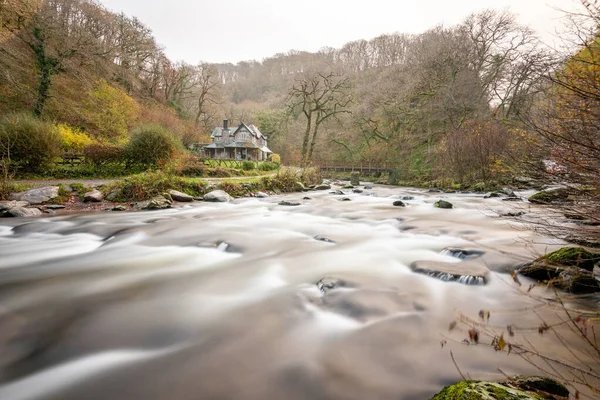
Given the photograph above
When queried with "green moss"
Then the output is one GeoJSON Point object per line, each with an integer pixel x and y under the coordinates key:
{"type": "Point", "coordinates": [443, 204]}
{"type": "Point", "coordinates": [474, 390]}
{"type": "Point", "coordinates": [550, 196]}
{"type": "Point", "coordinates": [63, 196]}
{"type": "Point", "coordinates": [79, 188]}
{"type": "Point", "coordinates": [148, 185]}
{"type": "Point", "coordinates": [572, 257]}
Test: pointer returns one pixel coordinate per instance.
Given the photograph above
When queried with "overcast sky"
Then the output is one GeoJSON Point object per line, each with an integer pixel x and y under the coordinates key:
{"type": "Point", "coordinates": [236, 30]}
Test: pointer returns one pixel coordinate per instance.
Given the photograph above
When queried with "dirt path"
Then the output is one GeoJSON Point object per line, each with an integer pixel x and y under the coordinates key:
{"type": "Point", "coordinates": [99, 182]}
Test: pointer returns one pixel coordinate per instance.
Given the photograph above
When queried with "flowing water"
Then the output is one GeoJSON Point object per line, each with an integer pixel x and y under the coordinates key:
{"type": "Point", "coordinates": [253, 300]}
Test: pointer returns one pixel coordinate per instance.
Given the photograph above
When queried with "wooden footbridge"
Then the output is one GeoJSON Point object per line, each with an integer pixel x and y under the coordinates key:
{"type": "Point", "coordinates": [363, 168]}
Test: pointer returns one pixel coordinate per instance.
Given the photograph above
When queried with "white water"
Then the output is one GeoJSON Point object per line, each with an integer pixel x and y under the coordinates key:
{"type": "Point", "coordinates": [221, 301]}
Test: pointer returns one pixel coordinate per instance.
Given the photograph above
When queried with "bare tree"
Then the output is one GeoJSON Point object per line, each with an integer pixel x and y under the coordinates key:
{"type": "Point", "coordinates": [207, 93]}
{"type": "Point", "coordinates": [318, 97]}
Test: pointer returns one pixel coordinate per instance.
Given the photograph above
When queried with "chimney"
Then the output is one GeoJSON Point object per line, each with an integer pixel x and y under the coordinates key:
{"type": "Point", "coordinates": [225, 124]}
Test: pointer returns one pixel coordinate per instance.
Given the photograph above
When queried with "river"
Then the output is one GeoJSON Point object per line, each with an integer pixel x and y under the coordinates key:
{"type": "Point", "coordinates": [228, 301]}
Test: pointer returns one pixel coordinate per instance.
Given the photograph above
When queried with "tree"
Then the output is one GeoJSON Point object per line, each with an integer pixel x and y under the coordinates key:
{"type": "Point", "coordinates": [318, 97]}
{"type": "Point", "coordinates": [566, 122]}
{"type": "Point", "coordinates": [207, 93]}
{"type": "Point", "coordinates": [110, 111]}
{"type": "Point", "coordinates": [56, 31]}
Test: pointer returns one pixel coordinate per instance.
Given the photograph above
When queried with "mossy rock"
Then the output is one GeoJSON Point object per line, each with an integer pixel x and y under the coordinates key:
{"type": "Point", "coordinates": [473, 390]}
{"type": "Point", "coordinates": [518, 388]}
{"type": "Point", "coordinates": [551, 196]}
{"type": "Point", "coordinates": [570, 269]}
{"type": "Point", "coordinates": [572, 257]}
{"type": "Point", "coordinates": [443, 204]}
{"type": "Point", "coordinates": [543, 386]}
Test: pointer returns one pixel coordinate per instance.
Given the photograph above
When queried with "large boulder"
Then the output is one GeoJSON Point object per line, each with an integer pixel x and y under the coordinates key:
{"type": "Point", "coordinates": [156, 203]}
{"type": "Point", "coordinates": [220, 196]}
{"type": "Point", "coordinates": [443, 204]}
{"type": "Point", "coordinates": [180, 196]}
{"type": "Point", "coordinates": [572, 257]}
{"type": "Point", "coordinates": [569, 269]}
{"type": "Point", "coordinates": [94, 196]}
{"type": "Point", "coordinates": [7, 205]}
{"type": "Point", "coordinates": [37, 195]}
{"type": "Point", "coordinates": [22, 212]}
{"type": "Point", "coordinates": [555, 196]}
{"type": "Point", "coordinates": [518, 388]}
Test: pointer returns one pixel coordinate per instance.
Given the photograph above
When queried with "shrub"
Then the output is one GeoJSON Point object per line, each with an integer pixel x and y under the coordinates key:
{"type": "Point", "coordinates": [268, 166]}
{"type": "Point", "coordinates": [152, 145]}
{"type": "Point", "coordinates": [110, 111]}
{"type": "Point", "coordinates": [102, 154]}
{"type": "Point", "coordinates": [285, 180]}
{"type": "Point", "coordinates": [275, 158]}
{"type": "Point", "coordinates": [185, 130]}
{"type": "Point", "coordinates": [190, 165]}
{"type": "Point", "coordinates": [231, 187]}
{"type": "Point", "coordinates": [311, 176]}
{"type": "Point", "coordinates": [73, 140]}
{"type": "Point", "coordinates": [30, 143]}
{"type": "Point", "coordinates": [248, 165]}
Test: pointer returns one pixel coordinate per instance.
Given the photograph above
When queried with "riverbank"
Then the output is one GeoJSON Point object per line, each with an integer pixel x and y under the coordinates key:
{"type": "Point", "coordinates": [59, 196]}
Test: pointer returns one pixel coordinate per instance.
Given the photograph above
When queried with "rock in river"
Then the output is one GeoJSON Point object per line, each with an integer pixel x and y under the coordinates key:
{"type": "Point", "coordinates": [517, 388]}
{"type": "Point", "coordinates": [551, 197]}
{"type": "Point", "coordinates": [23, 212]}
{"type": "Point", "coordinates": [443, 204]}
{"type": "Point", "coordinates": [180, 196]}
{"type": "Point", "coordinates": [37, 195]}
{"type": "Point", "coordinates": [569, 269]}
{"type": "Point", "coordinates": [218, 196]}
{"type": "Point", "coordinates": [399, 203]}
{"type": "Point", "coordinates": [288, 203]}
{"type": "Point", "coordinates": [323, 187]}
{"type": "Point", "coordinates": [467, 272]}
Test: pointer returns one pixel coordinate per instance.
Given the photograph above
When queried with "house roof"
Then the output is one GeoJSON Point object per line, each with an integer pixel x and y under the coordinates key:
{"type": "Point", "coordinates": [246, 145]}
{"type": "Point", "coordinates": [265, 149]}
{"type": "Point", "coordinates": [215, 146]}
{"type": "Point", "coordinates": [219, 131]}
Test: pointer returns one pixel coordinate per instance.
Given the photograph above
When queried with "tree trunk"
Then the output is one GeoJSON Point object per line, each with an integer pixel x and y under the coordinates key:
{"type": "Point", "coordinates": [313, 141]}
{"type": "Point", "coordinates": [306, 137]}
{"type": "Point", "coordinates": [43, 88]}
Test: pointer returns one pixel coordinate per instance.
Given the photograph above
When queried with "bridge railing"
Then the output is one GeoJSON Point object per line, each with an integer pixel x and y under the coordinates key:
{"type": "Point", "coordinates": [356, 166]}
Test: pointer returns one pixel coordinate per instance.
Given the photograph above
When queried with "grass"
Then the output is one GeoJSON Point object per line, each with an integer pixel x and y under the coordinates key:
{"type": "Point", "coordinates": [146, 185]}
{"type": "Point", "coordinates": [7, 187]}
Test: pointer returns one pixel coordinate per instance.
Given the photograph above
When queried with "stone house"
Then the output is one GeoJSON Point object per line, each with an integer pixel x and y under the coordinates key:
{"type": "Point", "coordinates": [242, 143]}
